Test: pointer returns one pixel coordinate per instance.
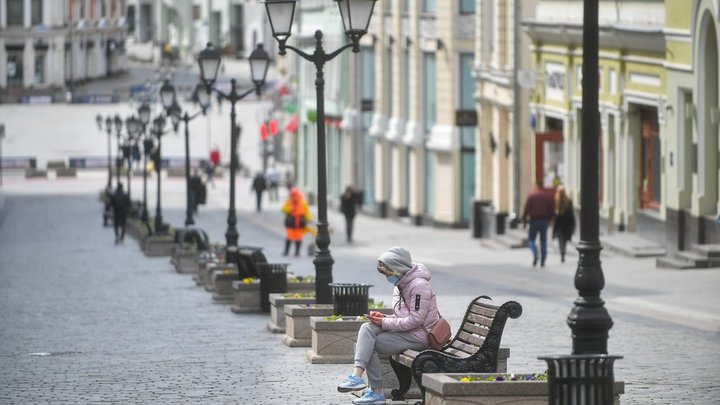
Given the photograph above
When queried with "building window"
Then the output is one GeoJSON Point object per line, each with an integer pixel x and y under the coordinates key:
{"type": "Point", "coordinates": [428, 6]}
{"type": "Point", "coordinates": [14, 69]}
{"type": "Point", "coordinates": [467, 6]}
{"type": "Point", "coordinates": [197, 13]}
{"type": "Point", "coordinates": [15, 13]}
{"type": "Point", "coordinates": [467, 84]}
{"type": "Point", "coordinates": [406, 84]}
{"type": "Point", "coordinates": [488, 30]}
{"type": "Point", "coordinates": [406, 6]}
{"type": "Point", "coordinates": [429, 183]}
{"type": "Point", "coordinates": [368, 73]}
{"type": "Point", "coordinates": [429, 92]}
{"type": "Point", "coordinates": [39, 75]}
{"type": "Point", "coordinates": [36, 12]}
{"type": "Point", "coordinates": [388, 82]}
{"type": "Point", "coordinates": [388, 7]}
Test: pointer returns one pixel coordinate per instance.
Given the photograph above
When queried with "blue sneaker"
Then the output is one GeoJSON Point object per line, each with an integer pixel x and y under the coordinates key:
{"type": "Point", "coordinates": [352, 383]}
{"type": "Point", "coordinates": [370, 397]}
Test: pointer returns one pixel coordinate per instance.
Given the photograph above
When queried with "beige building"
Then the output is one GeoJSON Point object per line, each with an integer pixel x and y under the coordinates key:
{"type": "Point", "coordinates": [504, 142]}
{"type": "Point", "coordinates": [49, 44]}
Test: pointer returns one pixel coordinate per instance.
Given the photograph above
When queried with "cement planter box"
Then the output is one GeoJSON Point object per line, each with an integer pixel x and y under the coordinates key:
{"type": "Point", "coordinates": [220, 283]}
{"type": "Point", "coordinates": [277, 308]}
{"type": "Point", "coordinates": [390, 381]}
{"type": "Point", "coordinates": [246, 296]}
{"type": "Point", "coordinates": [158, 245]}
{"type": "Point", "coordinates": [203, 274]}
{"type": "Point", "coordinates": [333, 341]}
{"type": "Point", "coordinates": [297, 323]}
{"type": "Point", "coordinates": [448, 389]}
{"type": "Point", "coordinates": [184, 259]}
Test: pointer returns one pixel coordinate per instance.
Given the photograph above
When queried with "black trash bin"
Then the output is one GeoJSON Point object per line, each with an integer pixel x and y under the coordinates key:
{"type": "Point", "coordinates": [273, 279]}
{"type": "Point", "coordinates": [350, 299]}
{"type": "Point", "coordinates": [580, 379]}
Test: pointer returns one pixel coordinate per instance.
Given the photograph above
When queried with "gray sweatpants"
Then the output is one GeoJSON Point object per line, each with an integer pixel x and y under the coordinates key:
{"type": "Point", "coordinates": [372, 341]}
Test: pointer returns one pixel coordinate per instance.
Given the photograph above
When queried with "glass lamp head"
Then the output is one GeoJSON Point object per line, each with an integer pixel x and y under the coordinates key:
{"type": "Point", "coordinates": [209, 62]}
{"type": "Point", "coordinates": [259, 63]}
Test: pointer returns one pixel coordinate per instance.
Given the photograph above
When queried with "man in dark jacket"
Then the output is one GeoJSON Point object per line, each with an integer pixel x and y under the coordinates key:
{"type": "Point", "coordinates": [259, 186]}
{"type": "Point", "coordinates": [121, 206]}
{"type": "Point", "coordinates": [540, 210]}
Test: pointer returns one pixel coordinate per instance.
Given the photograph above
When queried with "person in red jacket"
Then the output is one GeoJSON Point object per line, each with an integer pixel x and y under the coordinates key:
{"type": "Point", "coordinates": [214, 162]}
{"type": "Point", "coordinates": [540, 211]}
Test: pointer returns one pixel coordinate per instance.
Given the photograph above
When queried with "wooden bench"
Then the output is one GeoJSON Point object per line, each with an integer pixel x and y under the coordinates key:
{"type": "Point", "coordinates": [473, 349]}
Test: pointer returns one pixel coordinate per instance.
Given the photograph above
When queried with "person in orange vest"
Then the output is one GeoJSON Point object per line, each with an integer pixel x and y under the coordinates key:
{"type": "Point", "coordinates": [297, 215]}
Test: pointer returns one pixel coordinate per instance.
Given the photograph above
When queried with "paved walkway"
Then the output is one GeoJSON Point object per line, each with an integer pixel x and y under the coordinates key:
{"type": "Point", "coordinates": [85, 321]}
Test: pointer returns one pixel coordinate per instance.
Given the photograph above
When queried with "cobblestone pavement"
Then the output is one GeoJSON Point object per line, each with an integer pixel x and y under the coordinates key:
{"type": "Point", "coordinates": [85, 321]}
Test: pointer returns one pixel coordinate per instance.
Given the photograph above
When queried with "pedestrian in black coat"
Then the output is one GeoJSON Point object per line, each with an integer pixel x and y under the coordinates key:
{"type": "Point", "coordinates": [121, 206]}
{"type": "Point", "coordinates": [259, 186]}
{"type": "Point", "coordinates": [564, 220]}
{"type": "Point", "coordinates": [348, 206]}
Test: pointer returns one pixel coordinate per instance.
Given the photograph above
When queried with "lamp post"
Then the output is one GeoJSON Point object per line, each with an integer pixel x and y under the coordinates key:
{"type": "Point", "coordinates": [355, 16]}
{"type": "Point", "coordinates": [144, 115]}
{"type": "Point", "coordinates": [99, 121]}
{"type": "Point", "coordinates": [209, 61]}
{"type": "Point", "coordinates": [158, 130]}
{"type": "Point", "coordinates": [586, 375]}
{"type": "Point", "coordinates": [131, 126]}
{"type": "Point", "coordinates": [118, 133]}
{"type": "Point", "coordinates": [202, 98]}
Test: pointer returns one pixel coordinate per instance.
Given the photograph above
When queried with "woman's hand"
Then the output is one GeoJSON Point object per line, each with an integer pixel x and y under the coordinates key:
{"type": "Point", "coordinates": [376, 317]}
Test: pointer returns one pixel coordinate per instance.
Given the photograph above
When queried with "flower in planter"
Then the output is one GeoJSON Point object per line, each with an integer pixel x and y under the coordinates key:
{"type": "Point", "coordinates": [298, 295]}
{"type": "Point", "coordinates": [301, 279]}
{"type": "Point", "coordinates": [373, 305]}
{"type": "Point", "coordinates": [339, 318]}
{"type": "Point", "coordinates": [507, 377]}
{"type": "Point", "coordinates": [249, 280]}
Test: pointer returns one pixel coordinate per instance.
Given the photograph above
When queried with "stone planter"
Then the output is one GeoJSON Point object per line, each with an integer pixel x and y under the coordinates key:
{"type": "Point", "coordinates": [220, 283]}
{"type": "Point", "coordinates": [184, 259]}
{"type": "Point", "coordinates": [390, 381]}
{"type": "Point", "coordinates": [203, 274]}
{"type": "Point", "coordinates": [333, 342]}
{"type": "Point", "coordinates": [246, 297]}
{"type": "Point", "coordinates": [297, 323]}
{"type": "Point", "coordinates": [277, 308]}
{"type": "Point", "coordinates": [158, 245]}
{"type": "Point", "coordinates": [447, 389]}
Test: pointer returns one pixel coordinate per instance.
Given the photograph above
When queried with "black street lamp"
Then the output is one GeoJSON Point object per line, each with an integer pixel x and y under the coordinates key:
{"type": "Point", "coordinates": [144, 117]}
{"type": "Point", "coordinates": [158, 129]}
{"type": "Point", "coordinates": [586, 375]}
{"type": "Point", "coordinates": [355, 16]}
{"type": "Point", "coordinates": [99, 121]}
{"type": "Point", "coordinates": [118, 133]}
{"type": "Point", "coordinates": [131, 126]}
{"type": "Point", "coordinates": [209, 61]}
{"type": "Point", "coordinates": [202, 98]}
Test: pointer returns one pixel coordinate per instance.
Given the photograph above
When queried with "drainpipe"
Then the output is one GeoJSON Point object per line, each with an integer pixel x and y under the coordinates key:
{"type": "Point", "coordinates": [516, 114]}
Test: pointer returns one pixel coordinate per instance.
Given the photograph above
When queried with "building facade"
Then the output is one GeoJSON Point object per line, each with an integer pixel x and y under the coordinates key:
{"type": "Point", "coordinates": [504, 142]}
{"type": "Point", "coordinates": [46, 44]}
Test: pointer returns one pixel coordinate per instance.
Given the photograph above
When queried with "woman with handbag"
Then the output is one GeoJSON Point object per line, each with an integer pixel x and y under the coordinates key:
{"type": "Point", "coordinates": [415, 317]}
{"type": "Point", "coordinates": [297, 215]}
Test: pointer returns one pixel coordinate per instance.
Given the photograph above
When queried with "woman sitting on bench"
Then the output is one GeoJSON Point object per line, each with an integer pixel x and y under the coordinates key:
{"type": "Point", "coordinates": [415, 312]}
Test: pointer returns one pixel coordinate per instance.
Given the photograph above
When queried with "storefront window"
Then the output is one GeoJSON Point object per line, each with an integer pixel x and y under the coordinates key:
{"type": "Point", "coordinates": [14, 69]}
{"type": "Point", "coordinates": [39, 76]}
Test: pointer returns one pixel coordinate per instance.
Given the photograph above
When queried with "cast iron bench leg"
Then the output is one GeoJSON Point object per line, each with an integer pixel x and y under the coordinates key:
{"type": "Point", "coordinates": [404, 377]}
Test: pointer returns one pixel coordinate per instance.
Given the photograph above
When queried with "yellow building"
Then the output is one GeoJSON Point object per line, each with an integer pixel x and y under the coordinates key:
{"type": "Point", "coordinates": [632, 106]}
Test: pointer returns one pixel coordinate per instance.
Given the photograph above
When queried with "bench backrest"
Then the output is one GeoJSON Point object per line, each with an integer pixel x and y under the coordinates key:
{"type": "Point", "coordinates": [482, 327]}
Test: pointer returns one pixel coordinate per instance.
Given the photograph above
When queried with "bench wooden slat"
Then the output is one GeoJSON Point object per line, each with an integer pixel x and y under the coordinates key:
{"type": "Point", "coordinates": [469, 349]}
{"type": "Point", "coordinates": [471, 339]}
{"type": "Point", "coordinates": [484, 311]}
{"type": "Point", "coordinates": [455, 352]}
{"type": "Point", "coordinates": [487, 303]}
{"type": "Point", "coordinates": [475, 329]}
{"type": "Point", "coordinates": [481, 320]}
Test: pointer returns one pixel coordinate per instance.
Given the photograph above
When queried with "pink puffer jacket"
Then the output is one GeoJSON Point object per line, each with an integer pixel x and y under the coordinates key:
{"type": "Point", "coordinates": [417, 312]}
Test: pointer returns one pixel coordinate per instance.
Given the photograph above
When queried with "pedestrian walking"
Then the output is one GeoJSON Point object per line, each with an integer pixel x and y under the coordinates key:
{"type": "Point", "coordinates": [212, 164]}
{"type": "Point", "coordinates": [564, 225]}
{"type": "Point", "coordinates": [297, 215]}
{"type": "Point", "coordinates": [259, 186]}
{"type": "Point", "coordinates": [121, 206]}
{"type": "Point", "coordinates": [273, 180]}
{"type": "Point", "coordinates": [348, 206]}
{"type": "Point", "coordinates": [107, 200]}
{"type": "Point", "coordinates": [539, 211]}
{"type": "Point", "coordinates": [415, 312]}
